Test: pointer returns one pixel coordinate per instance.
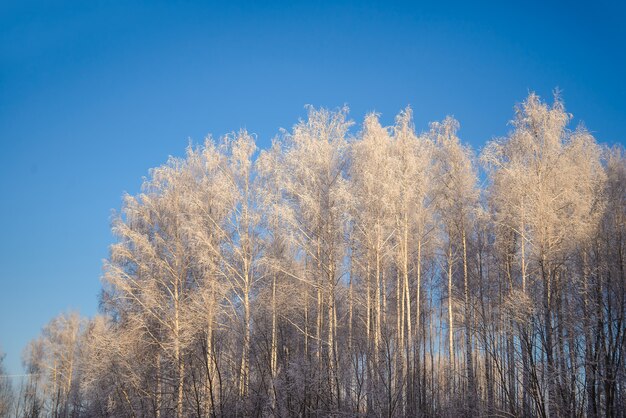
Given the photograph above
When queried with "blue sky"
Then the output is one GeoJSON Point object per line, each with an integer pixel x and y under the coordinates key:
{"type": "Point", "coordinates": [93, 94]}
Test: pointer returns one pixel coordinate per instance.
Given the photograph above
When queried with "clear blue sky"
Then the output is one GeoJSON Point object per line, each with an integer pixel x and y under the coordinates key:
{"type": "Point", "coordinates": [94, 93]}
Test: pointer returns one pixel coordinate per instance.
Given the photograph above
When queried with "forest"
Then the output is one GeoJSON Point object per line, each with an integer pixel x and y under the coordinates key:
{"type": "Point", "coordinates": [356, 271]}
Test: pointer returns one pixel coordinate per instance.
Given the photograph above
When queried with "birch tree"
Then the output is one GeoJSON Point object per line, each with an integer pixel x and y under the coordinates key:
{"type": "Point", "coordinates": [6, 391]}
{"type": "Point", "coordinates": [374, 194]}
{"type": "Point", "coordinates": [311, 170]}
{"type": "Point", "coordinates": [545, 189]}
{"type": "Point", "coordinates": [457, 200]}
{"type": "Point", "coordinates": [412, 173]}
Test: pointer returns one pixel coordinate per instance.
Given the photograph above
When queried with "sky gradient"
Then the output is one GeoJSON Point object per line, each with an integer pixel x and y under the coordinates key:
{"type": "Point", "coordinates": [93, 94]}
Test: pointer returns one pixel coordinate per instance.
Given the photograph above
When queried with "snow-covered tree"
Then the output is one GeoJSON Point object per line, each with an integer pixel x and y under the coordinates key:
{"type": "Point", "coordinates": [457, 200]}
{"type": "Point", "coordinates": [367, 275]}
{"type": "Point", "coordinates": [6, 390]}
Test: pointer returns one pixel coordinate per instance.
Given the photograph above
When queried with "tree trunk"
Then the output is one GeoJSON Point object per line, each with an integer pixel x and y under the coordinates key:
{"type": "Point", "coordinates": [450, 320]}
{"type": "Point", "coordinates": [471, 387]}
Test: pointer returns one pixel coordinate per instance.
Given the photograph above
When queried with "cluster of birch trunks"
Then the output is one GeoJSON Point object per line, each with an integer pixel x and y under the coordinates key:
{"type": "Point", "coordinates": [358, 271]}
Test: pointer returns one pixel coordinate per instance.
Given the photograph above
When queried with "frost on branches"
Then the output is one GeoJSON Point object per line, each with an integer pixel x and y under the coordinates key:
{"type": "Point", "coordinates": [386, 272]}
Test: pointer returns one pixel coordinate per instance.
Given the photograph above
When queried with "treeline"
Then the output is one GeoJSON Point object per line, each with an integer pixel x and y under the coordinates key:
{"type": "Point", "coordinates": [389, 273]}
